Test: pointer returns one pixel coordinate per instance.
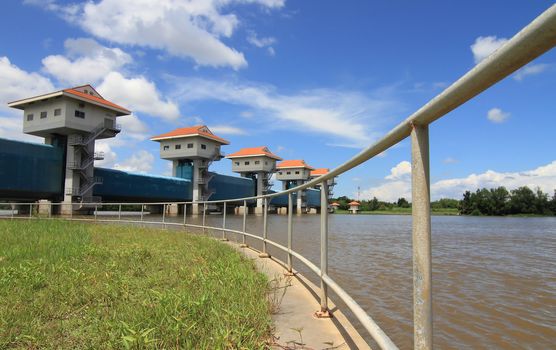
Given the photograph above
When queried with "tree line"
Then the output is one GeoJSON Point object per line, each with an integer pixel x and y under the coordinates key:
{"type": "Point", "coordinates": [495, 201]}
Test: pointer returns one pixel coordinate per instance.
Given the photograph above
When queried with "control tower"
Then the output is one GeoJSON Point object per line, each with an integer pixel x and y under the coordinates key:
{"type": "Point", "coordinates": [294, 173]}
{"type": "Point", "coordinates": [258, 163]}
{"type": "Point", "coordinates": [74, 119]}
{"type": "Point", "coordinates": [331, 182]}
{"type": "Point", "coordinates": [192, 150]}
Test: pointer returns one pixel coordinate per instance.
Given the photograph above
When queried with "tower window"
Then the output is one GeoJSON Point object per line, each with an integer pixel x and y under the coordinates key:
{"type": "Point", "coordinates": [257, 162]}
{"type": "Point", "coordinates": [80, 114]}
{"type": "Point", "coordinates": [236, 163]}
{"type": "Point", "coordinates": [297, 172]}
{"type": "Point", "coordinates": [165, 148]}
{"type": "Point", "coordinates": [281, 173]}
{"type": "Point", "coordinates": [189, 145]}
{"type": "Point", "coordinates": [29, 117]}
{"type": "Point", "coordinates": [178, 146]}
{"type": "Point", "coordinates": [203, 146]}
{"type": "Point", "coordinates": [43, 115]}
{"type": "Point", "coordinates": [57, 111]}
{"type": "Point", "coordinates": [246, 163]}
{"type": "Point", "coordinates": [289, 173]}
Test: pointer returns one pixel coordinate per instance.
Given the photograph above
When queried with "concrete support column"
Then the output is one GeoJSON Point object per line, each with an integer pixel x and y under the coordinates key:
{"type": "Point", "coordinates": [422, 261]}
{"type": "Point", "coordinates": [71, 181]}
{"type": "Point", "coordinates": [299, 208]}
{"type": "Point", "coordinates": [172, 209]}
{"type": "Point", "coordinates": [197, 190]}
{"type": "Point", "coordinates": [45, 208]}
{"type": "Point", "coordinates": [260, 177]}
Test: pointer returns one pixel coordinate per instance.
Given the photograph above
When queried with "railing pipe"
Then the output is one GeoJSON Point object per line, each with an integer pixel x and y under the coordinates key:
{"type": "Point", "coordinates": [290, 233]}
{"type": "Point", "coordinates": [323, 247]}
{"type": "Point", "coordinates": [422, 261]}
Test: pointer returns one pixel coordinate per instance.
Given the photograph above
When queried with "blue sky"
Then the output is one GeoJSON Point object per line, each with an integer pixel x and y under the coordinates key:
{"type": "Point", "coordinates": [311, 80]}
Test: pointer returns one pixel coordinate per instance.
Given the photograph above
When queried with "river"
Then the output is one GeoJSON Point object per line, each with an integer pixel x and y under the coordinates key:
{"type": "Point", "coordinates": [494, 278]}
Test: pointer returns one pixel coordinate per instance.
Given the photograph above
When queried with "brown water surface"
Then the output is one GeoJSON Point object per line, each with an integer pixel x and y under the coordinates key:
{"type": "Point", "coordinates": [494, 279]}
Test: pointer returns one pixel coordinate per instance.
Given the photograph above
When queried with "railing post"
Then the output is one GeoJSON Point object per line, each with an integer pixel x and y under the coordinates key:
{"type": "Point", "coordinates": [184, 214]}
{"type": "Point", "coordinates": [96, 210]}
{"type": "Point", "coordinates": [204, 216]}
{"type": "Point", "coordinates": [224, 223]}
{"type": "Point", "coordinates": [142, 211]}
{"type": "Point", "coordinates": [264, 254]}
{"type": "Point", "coordinates": [30, 210]}
{"type": "Point", "coordinates": [119, 212]}
{"type": "Point", "coordinates": [13, 209]}
{"type": "Point", "coordinates": [422, 262]}
{"type": "Point", "coordinates": [323, 312]}
{"type": "Point", "coordinates": [164, 215]}
{"type": "Point", "coordinates": [50, 210]}
{"type": "Point", "coordinates": [290, 234]}
{"type": "Point", "coordinates": [244, 226]}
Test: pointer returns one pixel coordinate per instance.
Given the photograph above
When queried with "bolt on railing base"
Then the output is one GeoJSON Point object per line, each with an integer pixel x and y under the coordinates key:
{"type": "Point", "coordinates": [264, 255]}
{"type": "Point", "coordinates": [243, 245]}
{"type": "Point", "coordinates": [323, 314]}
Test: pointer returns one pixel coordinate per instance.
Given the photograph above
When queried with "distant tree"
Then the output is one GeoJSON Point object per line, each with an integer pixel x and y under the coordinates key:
{"type": "Point", "coordinates": [499, 198]}
{"type": "Point", "coordinates": [552, 204]}
{"type": "Point", "coordinates": [542, 204]}
{"type": "Point", "coordinates": [402, 203]}
{"type": "Point", "coordinates": [373, 204]}
{"type": "Point", "coordinates": [466, 205]}
{"type": "Point", "coordinates": [523, 201]}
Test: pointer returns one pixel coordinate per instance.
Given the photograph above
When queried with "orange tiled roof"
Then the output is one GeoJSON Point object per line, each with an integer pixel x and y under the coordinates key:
{"type": "Point", "coordinates": [298, 163]}
{"type": "Point", "coordinates": [198, 130]}
{"type": "Point", "coordinates": [95, 99]}
{"type": "Point", "coordinates": [72, 91]}
{"type": "Point", "coordinates": [320, 171]}
{"type": "Point", "coordinates": [354, 203]}
{"type": "Point", "coordinates": [254, 151]}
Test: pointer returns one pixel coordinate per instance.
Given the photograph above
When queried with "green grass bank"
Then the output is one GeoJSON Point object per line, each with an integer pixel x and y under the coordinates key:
{"type": "Point", "coordinates": [67, 285]}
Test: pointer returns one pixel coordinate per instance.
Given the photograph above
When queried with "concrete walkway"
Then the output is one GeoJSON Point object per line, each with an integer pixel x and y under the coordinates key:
{"type": "Point", "coordinates": [296, 327]}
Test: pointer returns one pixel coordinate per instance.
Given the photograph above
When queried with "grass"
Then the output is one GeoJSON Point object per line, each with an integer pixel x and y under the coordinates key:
{"type": "Point", "coordinates": [403, 211]}
{"type": "Point", "coordinates": [66, 285]}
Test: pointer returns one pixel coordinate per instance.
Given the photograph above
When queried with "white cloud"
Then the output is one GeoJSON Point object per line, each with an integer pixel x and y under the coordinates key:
{"type": "Point", "coordinates": [227, 130]}
{"type": "Point", "coordinates": [485, 45]}
{"type": "Point", "coordinates": [15, 84]}
{"type": "Point", "coordinates": [353, 118]}
{"type": "Point", "coordinates": [496, 115]}
{"type": "Point", "coordinates": [193, 28]}
{"type": "Point", "coordinates": [396, 186]}
{"type": "Point", "coordinates": [264, 42]}
{"type": "Point", "coordinates": [86, 62]}
{"type": "Point", "coordinates": [139, 95]}
{"type": "Point", "coordinates": [141, 161]}
{"type": "Point", "coordinates": [450, 160]}
{"type": "Point", "coordinates": [133, 127]}
{"type": "Point", "coordinates": [530, 69]}
{"type": "Point", "coordinates": [110, 156]}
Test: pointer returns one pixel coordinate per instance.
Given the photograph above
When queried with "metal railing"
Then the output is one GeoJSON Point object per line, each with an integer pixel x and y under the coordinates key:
{"type": "Point", "coordinates": [535, 39]}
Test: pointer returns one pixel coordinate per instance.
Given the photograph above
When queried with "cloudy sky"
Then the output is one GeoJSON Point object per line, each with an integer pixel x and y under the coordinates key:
{"type": "Point", "coordinates": [311, 80]}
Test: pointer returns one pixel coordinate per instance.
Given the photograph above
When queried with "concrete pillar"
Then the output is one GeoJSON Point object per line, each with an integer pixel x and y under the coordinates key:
{"type": "Point", "coordinates": [175, 167]}
{"type": "Point", "coordinates": [299, 208]}
{"type": "Point", "coordinates": [71, 181]}
{"type": "Point", "coordinates": [172, 209]}
{"type": "Point", "coordinates": [260, 176]}
{"type": "Point", "coordinates": [197, 188]}
{"type": "Point", "coordinates": [313, 211]}
{"type": "Point", "coordinates": [45, 207]}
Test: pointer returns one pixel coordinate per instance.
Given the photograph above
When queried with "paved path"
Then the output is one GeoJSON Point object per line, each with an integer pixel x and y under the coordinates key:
{"type": "Point", "coordinates": [294, 320]}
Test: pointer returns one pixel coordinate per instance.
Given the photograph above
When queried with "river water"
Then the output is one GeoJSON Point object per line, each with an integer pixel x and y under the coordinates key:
{"type": "Point", "coordinates": [494, 279]}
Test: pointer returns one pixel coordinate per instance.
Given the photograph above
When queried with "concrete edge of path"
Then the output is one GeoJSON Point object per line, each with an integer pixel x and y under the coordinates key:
{"type": "Point", "coordinates": [294, 320]}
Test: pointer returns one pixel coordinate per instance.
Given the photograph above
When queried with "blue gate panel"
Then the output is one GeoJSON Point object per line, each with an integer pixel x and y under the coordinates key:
{"type": "Point", "coordinates": [30, 170]}
{"type": "Point", "coordinates": [313, 198]}
{"type": "Point", "coordinates": [229, 187]}
{"type": "Point", "coordinates": [127, 186]}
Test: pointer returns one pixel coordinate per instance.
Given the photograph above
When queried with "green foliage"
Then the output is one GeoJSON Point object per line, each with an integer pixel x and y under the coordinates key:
{"type": "Point", "coordinates": [498, 201]}
{"type": "Point", "coordinates": [76, 286]}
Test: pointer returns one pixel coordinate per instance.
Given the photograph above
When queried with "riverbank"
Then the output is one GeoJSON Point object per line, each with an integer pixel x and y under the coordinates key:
{"type": "Point", "coordinates": [401, 211]}
{"type": "Point", "coordinates": [66, 284]}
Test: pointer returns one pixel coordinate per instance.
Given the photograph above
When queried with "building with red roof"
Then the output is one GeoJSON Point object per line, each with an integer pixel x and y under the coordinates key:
{"type": "Point", "coordinates": [192, 150]}
{"type": "Point", "coordinates": [75, 117]}
{"type": "Point", "coordinates": [258, 163]}
{"type": "Point", "coordinates": [354, 207]}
